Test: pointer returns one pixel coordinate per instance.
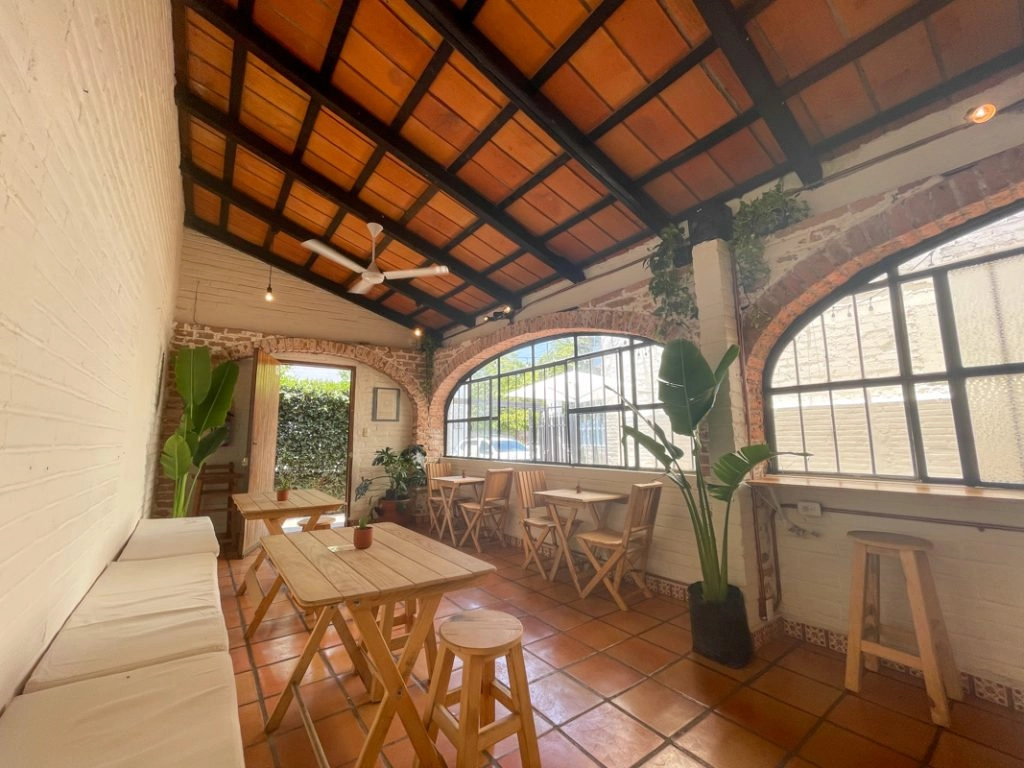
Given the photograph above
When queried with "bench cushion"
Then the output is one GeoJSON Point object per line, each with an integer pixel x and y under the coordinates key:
{"type": "Point", "coordinates": [178, 713]}
{"type": "Point", "coordinates": [170, 537]}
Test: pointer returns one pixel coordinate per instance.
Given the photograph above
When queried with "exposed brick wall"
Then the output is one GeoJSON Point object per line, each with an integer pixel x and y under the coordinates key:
{"type": "Point", "coordinates": [90, 221]}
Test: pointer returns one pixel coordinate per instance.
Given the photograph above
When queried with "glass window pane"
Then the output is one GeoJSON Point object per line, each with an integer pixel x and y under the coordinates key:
{"type": "Point", "coordinates": [788, 433]}
{"type": "Point", "coordinates": [458, 408]}
{"type": "Point", "coordinates": [515, 360]}
{"type": "Point", "coordinates": [819, 431]}
{"type": "Point", "coordinates": [488, 369]}
{"type": "Point", "coordinates": [587, 344]}
{"type": "Point", "coordinates": [889, 436]}
{"type": "Point", "coordinates": [877, 337]}
{"type": "Point", "coordinates": [553, 350]}
{"type": "Point", "coordinates": [938, 432]}
{"type": "Point", "coordinates": [481, 398]}
{"type": "Point", "coordinates": [922, 318]}
{"type": "Point", "coordinates": [841, 341]}
{"type": "Point", "coordinates": [1003, 235]}
{"type": "Point", "coordinates": [811, 361]}
{"type": "Point", "coordinates": [784, 373]}
{"type": "Point", "coordinates": [986, 303]}
{"type": "Point", "coordinates": [849, 410]}
{"type": "Point", "coordinates": [997, 418]}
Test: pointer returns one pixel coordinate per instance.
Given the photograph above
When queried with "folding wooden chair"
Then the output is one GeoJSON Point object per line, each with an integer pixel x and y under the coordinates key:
{"type": "Point", "coordinates": [625, 551]}
{"type": "Point", "coordinates": [435, 504]}
{"type": "Point", "coordinates": [537, 527]}
{"type": "Point", "coordinates": [492, 507]}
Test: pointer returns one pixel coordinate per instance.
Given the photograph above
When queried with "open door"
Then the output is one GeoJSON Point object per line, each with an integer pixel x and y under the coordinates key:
{"type": "Point", "coordinates": [266, 384]}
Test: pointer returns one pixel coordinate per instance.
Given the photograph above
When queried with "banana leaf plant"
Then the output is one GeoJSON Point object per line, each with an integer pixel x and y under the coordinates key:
{"type": "Point", "coordinates": [687, 389]}
{"type": "Point", "coordinates": [206, 393]}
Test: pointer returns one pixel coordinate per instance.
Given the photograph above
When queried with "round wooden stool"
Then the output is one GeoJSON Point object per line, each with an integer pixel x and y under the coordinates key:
{"type": "Point", "coordinates": [479, 638]}
{"type": "Point", "coordinates": [934, 657]}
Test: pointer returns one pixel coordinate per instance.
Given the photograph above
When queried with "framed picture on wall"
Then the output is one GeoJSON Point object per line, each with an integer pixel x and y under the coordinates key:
{"type": "Point", "coordinates": [385, 404]}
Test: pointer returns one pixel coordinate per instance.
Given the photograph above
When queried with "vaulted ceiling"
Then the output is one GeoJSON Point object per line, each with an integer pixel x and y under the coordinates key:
{"type": "Point", "coordinates": [518, 142]}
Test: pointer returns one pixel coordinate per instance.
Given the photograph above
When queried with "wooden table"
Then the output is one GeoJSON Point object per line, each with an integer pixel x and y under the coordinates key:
{"type": "Point", "coordinates": [264, 506]}
{"type": "Point", "coordinates": [572, 501]}
{"type": "Point", "coordinates": [324, 571]}
{"type": "Point", "coordinates": [450, 486]}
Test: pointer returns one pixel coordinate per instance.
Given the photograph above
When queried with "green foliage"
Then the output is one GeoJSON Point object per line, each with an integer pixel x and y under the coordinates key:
{"type": "Point", "coordinates": [670, 278]}
{"type": "Point", "coordinates": [771, 211]}
{"type": "Point", "coordinates": [206, 394]}
{"type": "Point", "coordinates": [312, 435]}
{"type": "Point", "coordinates": [428, 346]}
{"type": "Point", "coordinates": [688, 388]}
{"type": "Point", "coordinates": [402, 471]}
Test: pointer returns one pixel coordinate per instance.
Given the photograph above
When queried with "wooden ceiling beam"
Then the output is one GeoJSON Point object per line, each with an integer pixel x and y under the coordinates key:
{"type": "Point", "coordinates": [295, 270]}
{"type": "Point", "coordinates": [476, 47]}
{"type": "Point", "coordinates": [568, 49]}
{"type": "Point", "coordinates": [729, 33]}
{"type": "Point", "coordinates": [313, 85]}
{"type": "Point", "coordinates": [279, 223]}
{"type": "Point", "coordinates": [265, 150]}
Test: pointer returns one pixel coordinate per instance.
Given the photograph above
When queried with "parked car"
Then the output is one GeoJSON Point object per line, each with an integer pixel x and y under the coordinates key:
{"type": "Point", "coordinates": [500, 448]}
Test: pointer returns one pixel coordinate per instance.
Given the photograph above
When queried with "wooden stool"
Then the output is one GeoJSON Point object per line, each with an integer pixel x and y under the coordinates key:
{"type": "Point", "coordinates": [324, 523]}
{"type": "Point", "coordinates": [934, 657]}
{"type": "Point", "coordinates": [478, 638]}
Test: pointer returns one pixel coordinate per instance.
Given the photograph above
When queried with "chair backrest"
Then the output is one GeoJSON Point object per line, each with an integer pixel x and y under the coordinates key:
{"type": "Point", "coordinates": [437, 469]}
{"type": "Point", "coordinates": [528, 482]}
{"type": "Point", "coordinates": [497, 485]}
{"type": "Point", "coordinates": [641, 509]}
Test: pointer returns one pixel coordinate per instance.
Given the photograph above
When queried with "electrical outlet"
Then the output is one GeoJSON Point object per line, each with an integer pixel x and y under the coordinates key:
{"type": "Point", "coordinates": [809, 508]}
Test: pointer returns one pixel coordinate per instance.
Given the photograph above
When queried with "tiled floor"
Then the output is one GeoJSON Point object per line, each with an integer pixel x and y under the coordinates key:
{"type": "Point", "coordinates": [621, 689]}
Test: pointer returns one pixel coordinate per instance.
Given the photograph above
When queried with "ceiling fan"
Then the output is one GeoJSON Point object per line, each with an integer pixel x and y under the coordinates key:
{"type": "Point", "coordinates": [371, 275]}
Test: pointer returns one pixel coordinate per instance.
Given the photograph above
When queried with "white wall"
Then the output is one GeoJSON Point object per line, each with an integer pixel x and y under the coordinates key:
{"type": "Point", "coordinates": [90, 233]}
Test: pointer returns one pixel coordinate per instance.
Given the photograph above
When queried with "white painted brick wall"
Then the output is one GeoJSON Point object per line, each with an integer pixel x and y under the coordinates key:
{"type": "Point", "coordinates": [90, 233]}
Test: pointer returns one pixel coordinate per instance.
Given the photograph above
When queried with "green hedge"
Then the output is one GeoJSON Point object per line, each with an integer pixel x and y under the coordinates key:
{"type": "Point", "coordinates": [312, 435]}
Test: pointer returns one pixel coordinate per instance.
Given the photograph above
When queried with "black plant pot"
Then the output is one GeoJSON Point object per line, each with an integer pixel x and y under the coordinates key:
{"type": "Point", "coordinates": [720, 630]}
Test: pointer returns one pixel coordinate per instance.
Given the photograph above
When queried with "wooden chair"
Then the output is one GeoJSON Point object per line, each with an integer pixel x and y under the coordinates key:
{"type": "Point", "coordinates": [934, 656]}
{"type": "Point", "coordinates": [625, 551]}
{"type": "Point", "coordinates": [435, 505]}
{"type": "Point", "coordinates": [536, 527]}
{"type": "Point", "coordinates": [492, 507]}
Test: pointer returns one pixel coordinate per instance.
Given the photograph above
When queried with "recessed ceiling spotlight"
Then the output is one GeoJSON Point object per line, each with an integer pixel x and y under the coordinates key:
{"type": "Point", "coordinates": [982, 113]}
{"type": "Point", "coordinates": [417, 331]}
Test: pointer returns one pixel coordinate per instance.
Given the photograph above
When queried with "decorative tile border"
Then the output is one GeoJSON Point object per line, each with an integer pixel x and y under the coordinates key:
{"type": "Point", "coordinates": [973, 685]}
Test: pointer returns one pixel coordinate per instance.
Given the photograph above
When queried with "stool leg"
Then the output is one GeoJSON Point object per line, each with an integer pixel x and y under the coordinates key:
{"type": "Point", "coordinates": [853, 653]}
{"type": "Point", "coordinates": [925, 642]}
{"type": "Point", "coordinates": [440, 677]}
{"type": "Point", "coordinates": [487, 694]}
{"type": "Point", "coordinates": [944, 651]}
{"type": "Point", "coordinates": [528, 750]}
{"type": "Point", "coordinates": [872, 608]}
{"type": "Point", "coordinates": [469, 713]}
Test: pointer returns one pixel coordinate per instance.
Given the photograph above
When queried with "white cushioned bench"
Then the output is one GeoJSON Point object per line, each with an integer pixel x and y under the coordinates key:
{"type": "Point", "coordinates": [177, 713]}
{"type": "Point", "coordinates": [170, 537]}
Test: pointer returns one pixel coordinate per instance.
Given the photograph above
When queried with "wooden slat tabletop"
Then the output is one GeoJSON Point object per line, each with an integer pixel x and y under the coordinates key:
{"type": "Point", "coordinates": [300, 502]}
{"type": "Point", "coordinates": [324, 567]}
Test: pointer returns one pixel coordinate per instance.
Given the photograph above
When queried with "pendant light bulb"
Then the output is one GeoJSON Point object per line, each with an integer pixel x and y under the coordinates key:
{"type": "Point", "coordinates": [269, 296]}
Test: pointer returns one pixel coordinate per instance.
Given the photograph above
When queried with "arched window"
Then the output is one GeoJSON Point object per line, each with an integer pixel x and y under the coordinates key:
{"type": "Point", "coordinates": [558, 401]}
{"type": "Point", "coordinates": [916, 372]}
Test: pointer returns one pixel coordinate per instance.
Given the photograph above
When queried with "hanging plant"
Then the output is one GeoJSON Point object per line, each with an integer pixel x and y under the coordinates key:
{"type": "Point", "coordinates": [671, 277]}
{"type": "Point", "coordinates": [771, 211]}
{"type": "Point", "coordinates": [428, 346]}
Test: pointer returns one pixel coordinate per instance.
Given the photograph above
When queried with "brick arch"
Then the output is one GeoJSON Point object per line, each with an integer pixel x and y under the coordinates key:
{"type": "Point", "coordinates": [453, 363]}
{"type": "Point", "coordinates": [904, 218]}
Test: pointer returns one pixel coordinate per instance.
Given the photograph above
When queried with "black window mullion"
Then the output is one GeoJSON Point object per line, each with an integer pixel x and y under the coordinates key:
{"type": "Point", "coordinates": [906, 366]}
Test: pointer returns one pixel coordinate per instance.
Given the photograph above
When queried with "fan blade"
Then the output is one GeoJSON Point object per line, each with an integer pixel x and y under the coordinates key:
{"type": "Point", "coordinates": [398, 274]}
{"type": "Point", "coordinates": [363, 286]}
{"type": "Point", "coordinates": [326, 251]}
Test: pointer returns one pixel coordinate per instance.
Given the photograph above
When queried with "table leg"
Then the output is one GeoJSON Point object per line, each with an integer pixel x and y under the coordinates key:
{"type": "Point", "coordinates": [562, 528]}
{"type": "Point", "coordinates": [396, 696]}
{"type": "Point", "coordinates": [273, 528]}
{"type": "Point", "coordinates": [261, 609]}
{"type": "Point", "coordinates": [312, 646]}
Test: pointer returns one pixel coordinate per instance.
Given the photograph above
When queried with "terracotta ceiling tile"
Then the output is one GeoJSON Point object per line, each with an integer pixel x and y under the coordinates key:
{"type": "Point", "coordinates": [602, 64]}
{"type": "Point", "coordinates": [614, 220]}
{"type": "Point", "coordinates": [290, 248]}
{"type": "Point", "coordinates": [965, 38]}
{"type": "Point", "coordinates": [205, 204]}
{"type": "Point", "coordinates": [670, 193]}
{"type": "Point", "coordinates": [495, 240]}
{"type": "Point", "coordinates": [329, 160]}
{"type": "Point", "coordinates": [351, 235]}
{"type": "Point", "coordinates": [478, 79]}
{"type": "Point", "coordinates": [724, 76]}
{"type": "Point", "coordinates": [362, 59]}
{"type": "Point", "coordinates": [462, 95]}
{"type": "Point", "coordinates": [209, 84]}
{"type": "Point", "coordinates": [207, 159]}
{"type": "Point", "coordinates": [246, 226]}
{"type": "Point", "coordinates": [627, 151]}
{"type": "Point", "coordinates": [502, 163]}
{"type": "Point", "coordinates": [448, 124]}
{"type": "Point", "coordinates": [398, 32]}
{"type": "Point", "coordinates": [482, 249]}
{"type": "Point", "coordinates": [526, 269]}
{"type": "Point", "coordinates": [256, 178]}
{"type": "Point", "coordinates": [470, 257]}
{"type": "Point", "coordinates": [659, 129]}
{"type": "Point", "coordinates": [365, 93]}
{"type": "Point", "coordinates": [451, 209]}
{"type": "Point", "coordinates": [771, 146]}
{"type": "Point", "coordinates": [688, 21]}
{"type": "Point", "coordinates": [643, 31]}
{"type": "Point", "coordinates": [901, 67]}
{"type": "Point", "coordinates": [492, 187]}
{"type": "Point", "coordinates": [210, 142]}
{"type": "Point", "coordinates": [401, 303]}
{"type": "Point", "coordinates": [698, 102]}
{"type": "Point", "coordinates": [535, 220]}
{"type": "Point", "coordinates": [429, 141]}
{"type": "Point", "coordinates": [208, 43]}
{"type": "Point", "coordinates": [574, 185]}
{"type": "Point", "coordinates": [423, 224]}
{"type": "Point", "coordinates": [555, 21]}
{"type": "Point", "coordinates": [741, 156]}
{"type": "Point", "coordinates": [568, 245]}
{"type": "Point", "coordinates": [524, 141]}
{"type": "Point", "coordinates": [271, 105]}
{"type": "Point", "coordinates": [804, 120]}
{"type": "Point", "coordinates": [838, 101]}
{"type": "Point", "coordinates": [703, 177]}
{"type": "Point", "coordinates": [800, 32]}
{"type": "Point", "coordinates": [591, 234]}
{"type": "Point", "coordinates": [575, 98]}
{"type": "Point", "coordinates": [382, 202]}
{"type": "Point", "coordinates": [545, 199]}
{"type": "Point", "coordinates": [519, 40]}
{"type": "Point", "coordinates": [401, 176]}
{"type": "Point", "coordinates": [303, 28]}
{"type": "Point", "coordinates": [334, 272]}
{"type": "Point", "coordinates": [301, 194]}
{"type": "Point", "coordinates": [857, 17]}
{"type": "Point", "coordinates": [416, 25]}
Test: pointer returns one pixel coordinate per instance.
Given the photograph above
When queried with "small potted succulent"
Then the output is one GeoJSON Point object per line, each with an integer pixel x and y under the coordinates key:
{"type": "Point", "coordinates": [284, 484]}
{"type": "Point", "coordinates": [362, 535]}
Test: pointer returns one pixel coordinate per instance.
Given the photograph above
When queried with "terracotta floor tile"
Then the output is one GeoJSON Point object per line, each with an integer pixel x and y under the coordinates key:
{"type": "Point", "coordinates": [1004, 732]}
{"type": "Point", "coordinates": [641, 654]}
{"type": "Point", "coordinates": [661, 608]}
{"type": "Point", "coordinates": [701, 684]}
{"type": "Point", "coordinates": [259, 756]}
{"type": "Point", "coordinates": [630, 621]}
{"type": "Point", "coordinates": [534, 603]}
{"type": "Point", "coordinates": [797, 690]}
{"type": "Point", "coordinates": [670, 637]}
{"type": "Point", "coordinates": [505, 589]}
{"type": "Point", "coordinates": [273, 628]}
{"type": "Point", "coordinates": [240, 659]}
{"type": "Point", "coordinates": [599, 634]}
{"type": "Point", "coordinates": [536, 667]}
{"type": "Point", "coordinates": [274, 677]}
{"type": "Point", "coordinates": [824, 669]}
{"type": "Point", "coordinates": [250, 718]}
{"type": "Point", "coordinates": [661, 708]}
{"type": "Point", "coordinates": [278, 649]}
{"type": "Point", "coordinates": [724, 744]}
{"type": "Point", "coordinates": [595, 605]}
{"type": "Point", "coordinates": [902, 733]}
{"type": "Point", "coordinates": [565, 593]}
{"type": "Point", "coordinates": [556, 751]}
{"type": "Point", "coordinates": [773, 649]}
{"type": "Point", "coordinates": [560, 650]}
{"type": "Point", "coordinates": [754, 667]}
{"type": "Point", "coordinates": [895, 694]}
{"type": "Point", "coordinates": [957, 752]}
{"type": "Point", "coordinates": [563, 617]}
{"type": "Point", "coordinates": [833, 747]}
{"type": "Point", "coordinates": [474, 597]}
{"type": "Point", "coordinates": [798, 762]}
{"type": "Point", "coordinates": [671, 757]}
{"type": "Point", "coordinates": [682, 620]}
{"type": "Point", "coordinates": [560, 698]}
{"type": "Point", "coordinates": [604, 674]}
{"type": "Point", "coordinates": [767, 717]}
{"type": "Point", "coordinates": [245, 687]}
{"type": "Point", "coordinates": [535, 629]}
{"type": "Point", "coordinates": [630, 740]}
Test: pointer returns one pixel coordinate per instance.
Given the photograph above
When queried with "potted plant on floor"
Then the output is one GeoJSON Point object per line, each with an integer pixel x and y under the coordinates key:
{"type": "Point", "coordinates": [687, 389]}
{"type": "Point", "coordinates": [403, 471]}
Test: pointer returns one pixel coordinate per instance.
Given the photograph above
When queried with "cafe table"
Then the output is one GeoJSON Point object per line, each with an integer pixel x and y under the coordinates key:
{"type": "Point", "coordinates": [324, 571]}
{"type": "Point", "coordinates": [263, 505]}
{"type": "Point", "coordinates": [450, 485]}
{"type": "Point", "coordinates": [564, 506]}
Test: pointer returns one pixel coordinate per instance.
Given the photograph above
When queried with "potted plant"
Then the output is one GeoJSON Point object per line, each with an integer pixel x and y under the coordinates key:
{"type": "Point", "coordinates": [687, 389]}
{"type": "Point", "coordinates": [206, 394]}
{"type": "Point", "coordinates": [403, 470]}
{"type": "Point", "coordinates": [362, 536]}
{"type": "Point", "coordinates": [284, 484]}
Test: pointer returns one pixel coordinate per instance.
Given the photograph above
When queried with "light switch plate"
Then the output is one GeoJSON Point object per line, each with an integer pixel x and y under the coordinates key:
{"type": "Point", "coordinates": [809, 508]}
